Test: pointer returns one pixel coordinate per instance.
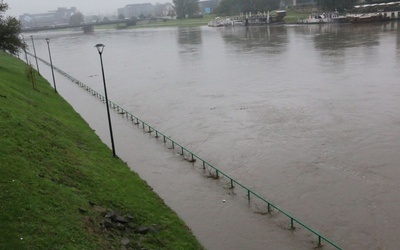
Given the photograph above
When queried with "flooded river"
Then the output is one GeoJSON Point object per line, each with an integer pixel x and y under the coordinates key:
{"type": "Point", "coordinates": [306, 116]}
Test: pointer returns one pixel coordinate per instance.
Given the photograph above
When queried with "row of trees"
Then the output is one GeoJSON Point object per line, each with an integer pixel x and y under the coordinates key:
{"type": "Point", "coordinates": [186, 8]}
{"type": "Point", "coordinates": [10, 28]}
{"type": "Point", "coordinates": [76, 19]}
{"type": "Point", "coordinates": [234, 7]}
{"type": "Point", "coordinates": [340, 5]}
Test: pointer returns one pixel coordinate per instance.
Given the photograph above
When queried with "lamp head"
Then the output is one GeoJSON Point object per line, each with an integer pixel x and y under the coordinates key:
{"type": "Point", "coordinates": [31, 37]}
{"type": "Point", "coordinates": [47, 40]}
{"type": "Point", "coordinates": [100, 47]}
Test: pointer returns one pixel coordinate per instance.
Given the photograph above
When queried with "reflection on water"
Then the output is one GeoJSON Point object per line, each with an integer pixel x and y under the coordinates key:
{"type": "Point", "coordinates": [269, 39]}
{"type": "Point", "coordinates": [397, 29]}
{"type": "Point", "coordinates": [306, 116]}
{"type": "Point", "coordinates": [346, 36]}
{"type": "Point", "coordinates": [340, 37]}
{"type": "Point", "coordinates": [189, 39]}
{"type": "Point", "coordinates": [189, 35]}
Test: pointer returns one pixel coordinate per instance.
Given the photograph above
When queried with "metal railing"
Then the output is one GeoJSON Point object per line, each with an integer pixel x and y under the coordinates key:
{"type": "Point", "coordinates": [192, 157]}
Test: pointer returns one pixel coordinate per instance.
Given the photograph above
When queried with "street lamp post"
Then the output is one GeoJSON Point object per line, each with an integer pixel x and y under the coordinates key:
{"type": "Point", "coordinates": [34, 50]}
{"type": "Point", "coordinates": [100, 48]}
{"type": "Point", "coordinates": [51, 64]}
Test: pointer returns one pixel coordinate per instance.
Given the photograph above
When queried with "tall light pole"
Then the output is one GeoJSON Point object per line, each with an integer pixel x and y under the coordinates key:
{"type": "Point", "coordinates": [100, 48]}
{"type": "Point", "coordinates": [34, 50]}
{"type": "Point", "coordinates": [51, 63]}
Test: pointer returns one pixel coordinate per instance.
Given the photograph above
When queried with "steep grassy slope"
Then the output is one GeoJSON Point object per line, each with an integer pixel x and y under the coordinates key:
{"type": "Point", "coordinates": [60, 187]}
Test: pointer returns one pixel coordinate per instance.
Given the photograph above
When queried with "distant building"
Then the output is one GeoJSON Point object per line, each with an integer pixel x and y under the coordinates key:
{"type": "Point", "coordinates": [145, 10]}
{"type": "Point", "coordinates": [164, 10]}
{"type": "Point", "coordinates": [137, 10]}
{"type": "Point", "coordinates": [61, 16]}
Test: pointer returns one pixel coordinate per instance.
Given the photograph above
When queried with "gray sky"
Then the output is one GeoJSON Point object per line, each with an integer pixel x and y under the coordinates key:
{"type": "Point", "coordinates": [87, 7]}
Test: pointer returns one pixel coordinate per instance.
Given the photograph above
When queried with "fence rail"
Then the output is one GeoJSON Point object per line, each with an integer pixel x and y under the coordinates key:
{"type": "Point", "coordinates": [192, 157]}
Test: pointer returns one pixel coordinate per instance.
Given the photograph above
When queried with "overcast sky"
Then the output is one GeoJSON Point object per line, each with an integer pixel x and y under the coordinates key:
{"type": "Point", "coordinates": [87, 7]}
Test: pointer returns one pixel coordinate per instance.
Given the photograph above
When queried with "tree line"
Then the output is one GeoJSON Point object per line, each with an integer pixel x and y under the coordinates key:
{"type": "Point", "coordinates": [10, 27]}
{"type": "Point", "coordinates": [235, 7]}
{"type": "Point", "coordinates": [339, 5]}
{"type": "Point", "coordinates": [187, 8]}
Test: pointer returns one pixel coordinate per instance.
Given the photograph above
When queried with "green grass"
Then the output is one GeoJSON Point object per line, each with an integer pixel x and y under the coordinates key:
{"type": "Point", "coordinates": [52, 164]}
{"type": "Point", "coordinates": [167, 23]}
{"type": "Point", "coordinates": [294, 16]}
{"type": "Point", "coordinates": [181, 22]}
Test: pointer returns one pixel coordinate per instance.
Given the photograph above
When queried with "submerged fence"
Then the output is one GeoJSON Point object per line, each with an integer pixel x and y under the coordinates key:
{"type": "Point", "coordinates": [192, 157]}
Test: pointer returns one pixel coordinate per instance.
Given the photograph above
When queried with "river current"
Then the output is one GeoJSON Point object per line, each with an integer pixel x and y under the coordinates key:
{"type": "Point", "coordinates": [306, 116]}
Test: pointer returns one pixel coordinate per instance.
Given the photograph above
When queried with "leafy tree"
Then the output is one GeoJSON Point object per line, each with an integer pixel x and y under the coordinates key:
{"type": "Point", "coordinates": [171, 13]}
{"type": "Point", "coordinates": [234, 7]}
{"type": "Point", "coordinates": [10, 28]}
{"type": "Point", "coordinates": [96, 18]}
{"type": "Point", "coordinates": [76, 19]}
{"type": "Point", "coordinates": [186, 8]}
{"type": "Point", "coordinates": [229, 7]}
{"type": "Point", "coordinates": [331, 5]}
{"type": "Point", "coordinates": [121, 17]}
{"type": "Point", "coordinates": [180, 8]}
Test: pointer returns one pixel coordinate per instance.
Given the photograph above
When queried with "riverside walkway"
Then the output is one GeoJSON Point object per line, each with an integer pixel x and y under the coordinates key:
{"type": "Point", "coordinates": [188, 155]}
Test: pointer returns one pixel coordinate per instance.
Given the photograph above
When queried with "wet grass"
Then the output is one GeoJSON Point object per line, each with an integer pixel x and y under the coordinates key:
{"type": "Point", "coordinates": [163, 23]}
{"type": "Point", "coordinates": [294, 16]}
{"type": "Point", "coordinates": [52, 164]}
{"type": "Point", "coordinates": [181, 22]}
{"type": "Point", "coordinates": [290, 18]}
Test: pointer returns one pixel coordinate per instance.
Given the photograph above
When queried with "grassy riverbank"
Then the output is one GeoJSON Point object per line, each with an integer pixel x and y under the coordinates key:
{"type": "Point", "coordinates": [181, 22]}
{"type": "Point", "coordinates": [163, 23]}
{"type": "Point", "coordinates": [60, 187]}
{"type": "Point", "coordinates": [292, 16]}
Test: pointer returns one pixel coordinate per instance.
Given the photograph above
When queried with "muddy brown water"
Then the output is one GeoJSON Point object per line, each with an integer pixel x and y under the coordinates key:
{"type": "Point", "coordinates": [306, 116]}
